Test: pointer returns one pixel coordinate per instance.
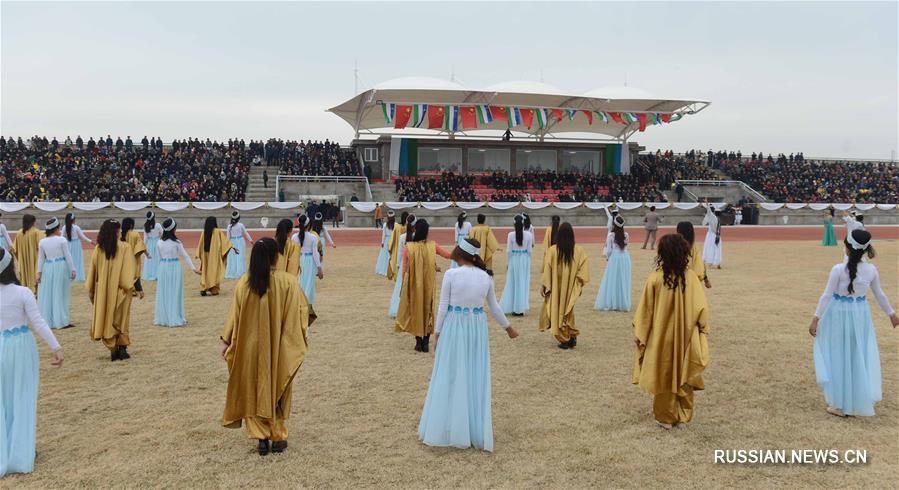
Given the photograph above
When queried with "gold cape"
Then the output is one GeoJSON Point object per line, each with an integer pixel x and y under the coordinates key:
{"type": "Point", "coordinates": [417, 310]}
{"type": "Point", "coordinates": [137, 247]}
{"type": "Point", "coordinates": [109, 284]}
{"type": "Point", "coordinates": [672, 327]}
{"type": "Point", "coordinates": [212, 263]}
{"type": "Point", "coordinates": [25, 249]}
{"type": "Point", "coordinates": [547, 242]}
{"type": "Point", "coordinates": [484, 235]}
{"type": "Point", "coordinates": [266, 337]}
{"type": "Point", "coordinates": [564, 284]}
{"type": "Point", "coordinates": [696, 264]}
{"type": "Point", "coordinates": [393, 247]}
{"type": "Point", "coordinates": [289, 261]}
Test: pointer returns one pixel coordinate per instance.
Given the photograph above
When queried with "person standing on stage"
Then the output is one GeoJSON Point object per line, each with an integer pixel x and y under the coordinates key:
{"type": "Point", "coordinates": [398, 230]}
{"type": "Point", "coordinates": [25, 249]}
{"type": "Point", "coordinates": [310, 260]}
{"type": "Point", "coordinates": [671, 328]}
{"type": "Point", "coordinates": [484, 235]}
{"type": "Point", "coordinates": [169, 310]}
{"type": "Point", "coordinates": [212, 252]}
{"type": "Point", "coordinates": [379, 215]}
{"type": "Point", "coordinates": [615, 288]}
{"type": "Point", "coordinates": [55, 272]}
{"type": "Point", "coordinates": [239, 237]}
{"type": "Point", "coordinates": [651, 225]}
{"type": "Point", "coordinates": [401, 245]}
{"type": "Point", "coordinates": [461, 231]}
{"type": "Point", "coordinates": [288, 259]}
{"type": "Point", "coordinates": [516, 293]}
{"type": "Point", "coordinates": [110, 283]}
{"type": "Point", "coordinates": [264, 344]}
{"type": "Point", "coordinates": [152, 233]}
{"type": "Point", "coordinates": [685, 229]}
{"type": "Point", "coordinates": [712, 249]}
{"type": "Point", "coordinates": [319, 229]}
{"type": "Point", "coordinates": [383, 254]}
{"type": "Point", "coordinates": [19, 373]}
{"type": "Point", "coordinates": [830, 237]}
{"type": "Point", "coordinates": [75, 235]}
{"type": "Point", "coordinates": [565, 274]}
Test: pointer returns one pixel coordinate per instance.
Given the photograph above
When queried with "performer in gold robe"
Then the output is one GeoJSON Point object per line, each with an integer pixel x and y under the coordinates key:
{"type": "Point", "coordinates": [549, 238]}
{"type": "Point", "coordinates": [288, 250]}
{"type": "Point", "coordinates": [671, 327]}
{"type": "Point", "coordinates": [394, 244]}
{"type": "Point", "coordinates": [697, 265]}
{"type": "Point", "coordinates": [418, 306]}
{"type": "Point", "coordinates": [564, 276]}
{"type": "Point", "coordinates": [212, 250]}
{"type": "Point", "coordinates": [483, 234]}
{"type": "Point", "coordinates": [110, 282]}
{"type": "Point", "coordinates": [25, 249]}
{"type": "Point", "coordinates": [264, 343]}
{"type": "Point", "coordinates": [138, 248]}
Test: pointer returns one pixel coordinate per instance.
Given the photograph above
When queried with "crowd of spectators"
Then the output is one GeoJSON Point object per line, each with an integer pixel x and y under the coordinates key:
{"type": "Point", "coordinates": [446, 187]}
{"type": "Point", "coordinates": [308, 157]}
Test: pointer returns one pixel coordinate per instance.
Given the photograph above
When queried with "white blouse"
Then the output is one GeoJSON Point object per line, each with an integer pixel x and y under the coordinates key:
{"type": "Point", "coordinates": [612, 247]}
{"type": "Point", "coordinates": [171, 249]}
{"type": "Point", "coordinates": [527, 242]}
{"type": "Point", "coordinates": [18, 307]}
{"type": "Point", "coordinates": [309, 245]}
{"type": "Point", "coordinates": [77, 234]}
{"type": "Point", "coordinates": [463, 232]}
{"type": "Point", "coordinates": [385, 233]}
{"type": "Point", "coordinates": [53, 248]}
{"type": "Point", "coordinates": [326, 236]}
{"type": "Point", "coordinates": [156, 232]}
{"type": "Point", "coordinates": [4, 234]}
{"type": "Point", "coordinates": [468, 287]}
{"type": "Point", "coordinates": [853, 224]}
{"type": "Point", "coordinates": [238, 230]}
{"type": "Point", "coordinates": [710, 219]}
{"type": "Point", "coordinates": [866, 278]}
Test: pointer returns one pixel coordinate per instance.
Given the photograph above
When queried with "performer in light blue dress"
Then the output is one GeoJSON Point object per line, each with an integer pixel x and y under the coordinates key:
{"type": "Point", "coordinates": [321, 232]}
{"type": "Point", "coordinates": [19, 373]}
{"type": "Point", "coordinates": [55, 273]}
{"type": "Point", "coordinates": [152, 233]}
{"type": "Point", "coordinates": [847, 361]}
{"type": "Point", "coordinates": [310, 259]}
{"type": "Point", "coordinates": [5, 240]}
{"type": "Point", "coordinates": [75, 235]}
{"type": "Point", "coordinates": [516, 293]}
{"type": "Point", "coordinates": [384, 254]}
{"type": "Point", "coordinates": [398, 284]}
{"type": "Point", "coordinates": [237, 233]}
{"type": "Point", "coordinates": [457, 410]}
{"type": "Point", "coordinates": [461, 230]}
{"type": "Point", "coordinates": [169, 310]}
{"type": "Point", "coordinates": [615, 289]}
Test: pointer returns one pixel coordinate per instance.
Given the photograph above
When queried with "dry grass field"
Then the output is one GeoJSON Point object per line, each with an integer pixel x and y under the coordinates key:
{"type": "Point", "coordinates": [561, 419]}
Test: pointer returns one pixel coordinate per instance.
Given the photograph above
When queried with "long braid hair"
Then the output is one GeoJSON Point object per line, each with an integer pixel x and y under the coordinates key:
{"type": "Point", "coordinates": [564, 239]}
{"type": "Point", "coordinates": [685, 229]}
{"type": "Point", "coordinates": [673, 257]}
{"type": "Point", "coordinates": [519, 230]}
{"type": "Point", "coordinates": [127, 225]}
{"type": "Point", "coordinates": [208, 229]}
{"type": "Point", "coordinates": [262, 259]}
{"type": "Point", "coordinates": [282, 233]}
{"type": "Point", "coordinates": [150, 223]}
{"type": "Point", "coordinates": [410, 230]}
{"type": "Point", "coordinates": [618, 231]}
{"type": "Point", "coordinates": [302, 224]}
{"type": "Point", "coordinates": [70, 220]}
{"type": "Point", "coordinates": [554, 228]}
{"type": "Point", "coordinates": [107, 238]}
{"type": "Point", "coordinates": [862, 237]}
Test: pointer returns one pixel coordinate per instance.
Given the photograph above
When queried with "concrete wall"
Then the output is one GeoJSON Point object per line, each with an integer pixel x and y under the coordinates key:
{"type": "Point", "coordinates": [292, 190]}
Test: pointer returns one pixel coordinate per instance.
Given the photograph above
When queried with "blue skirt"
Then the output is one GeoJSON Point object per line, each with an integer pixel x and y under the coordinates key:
{"type": "Point", "coordinates": [169, 310]}
{"type": "Point", "coordinates": [457, 410]}
{"type": "Point", "coordinates": [459, 238]}
{"type": "Point", "coordinates": [516, 292]}
{"type": "Point", "coordinates": [397, 289]}
{"type": "Point", "coordinates": [383, 259]}
{"type": "Point", "coordinates": [150, 265]}
{"type": "Point", "coordinates": [78, 257]}
{"type": "Point", "coordinates": [615, 289]}
{"type": "Point", "coordinates": [847, 362]}
{"type": "Point", "coordinates": [308, 275]}
{"type": "Point", "coordinates": [3, 243]}
{"type": "Point", "coordinates": [236, 262]}
{"type": "Point", "coordinates": [18, 400]}
{"type": "Point", "coordinates": [53, 293]}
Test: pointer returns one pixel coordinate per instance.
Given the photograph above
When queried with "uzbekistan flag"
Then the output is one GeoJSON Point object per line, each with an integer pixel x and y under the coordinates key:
{"type": "Point", "coordinates": [514, 118]}
{"type": "Point", "coordinates": [542, 117]}
{"type": "Point", "coordinates": [484, 115]}
{"type": "Point", "coordinates": [419, 113]}
{"type": "Point", "coordinates": [451, 119]}
{"type": "Point", "coordinates": [389, 111]}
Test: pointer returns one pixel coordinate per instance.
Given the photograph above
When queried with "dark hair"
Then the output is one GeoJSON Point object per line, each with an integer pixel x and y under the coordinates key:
{"type": "Point", "coordinates": [282, 233]}
{"type": "Point", "coordinates": [170, 234]}
{"type": "Point", "coordinates": [391, 220]}
{"type": "Point", "coordinates": [460, 220]}
{"type": "Point", "coordinates": [519, 230]}
{"type": "Point", "coordinates": [27, 222]}
{"type": "Point", "coordinates": [8, 275]}
{"type": "Point", "coordinates": [70, 219]}
{"type": "Point", "coordinates": [672, 259]}
{"type": "Point", "coordinates": [476, 260]}
{"type": "Point", "coordinates": [302, 224]}
{"type": "Point", "coordinates": [403, 216]}
{"type": "Point", "coordinates": [685, 229]}
{"type": "Point", "coordinates": [652, 208]}
{"type": "Point", "coordinates": [860, 218]}
{"type": "Point", "coordinates": [233, 221]}
{"type": "Point", "coordinates": [554, 228]}
{"type": "Point", "coordinates": [317, 226]}
{"type": "Point", "coordinates": [481, 219]}
{"type": "Point", "coordinates": [49, 232]}
{"type": "Point", "coordinates": [262, 258]}
{"type": "Point", "coordinates": [421, 230]}
{"type": "Point", "coordinates": [832, 211]}
{"type": "Point", "coordinates": [127, 225]}
{"type": "Point", "coordinates": [618, 231]}
{"type": "Point", "coordinates": [410, 229]}
{"type": "Point", "coordinates": [855, 256]}
{"type": "Point", "coordinates": [108, 238]}
{"type": "Point", "coordinates": [564, 239]}
{"type": "Point", "coordinates": [527, 220]}
{"type": "Point", "coordinates": [150, 223]}
{"type": "Point", "coordinates": [208, 229]}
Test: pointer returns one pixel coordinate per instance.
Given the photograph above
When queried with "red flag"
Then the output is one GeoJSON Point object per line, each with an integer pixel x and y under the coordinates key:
{"type": "Point", "coordinates": [666, 118]}
{"type": "Point", "coordinates": [527, 117]}
{"type": "Point", "coordinates": [435, 116]}
{"type": "Point", "coordinates": [499, 113]}
{"type": "Point", "coordinates": [403, 114]}
{"type": "Point", "coordinates": [589, 115]}
{"type": "Point", "coordinates": [641, 117]}
{"type": "Point", "coordinates": [469, 117]}
{"type": "Point", "coordinates": [558, 114]}
{"type": "Point", "coordinates": [616, 117]}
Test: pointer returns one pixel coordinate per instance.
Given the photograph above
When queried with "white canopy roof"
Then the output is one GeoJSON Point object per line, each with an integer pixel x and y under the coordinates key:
{"type": "Point", "coordinates": [364, 113]}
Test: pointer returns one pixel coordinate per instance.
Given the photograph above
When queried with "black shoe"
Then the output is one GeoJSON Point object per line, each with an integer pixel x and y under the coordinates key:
{"type": "Point", "coordinates": [115, 355]}
{"type": "Point", "coordinates": [69, 326]}
{"type": "Point", "coordinates": [572, 343]}
{"type": "Point", "coordinates": [564, 345]}
{"type": "Point", "coordinates": [263, 447]}
{"type": "Point", "coordinates": [417, 344]}
{"type": "Point", "coordinates": [202, 293]}
{"type": "Point", "coordinates": [279, 446]}
{"type": "Point", "coordinates": [425, 343]}
{"type": "Point", "coordinates": [123, 353]}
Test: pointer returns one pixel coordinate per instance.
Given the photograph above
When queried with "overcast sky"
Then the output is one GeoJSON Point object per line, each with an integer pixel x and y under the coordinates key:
{"type": "Point", "coordinates": [782, 77]}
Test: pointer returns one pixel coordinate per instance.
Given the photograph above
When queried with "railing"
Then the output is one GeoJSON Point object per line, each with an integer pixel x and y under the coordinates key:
{"type": "Point", "coordinates": [335, 179]}
{"type": "Point", "coordinates": [724, 183]}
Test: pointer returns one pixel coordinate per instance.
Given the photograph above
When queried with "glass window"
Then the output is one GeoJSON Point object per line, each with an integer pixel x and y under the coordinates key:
{"type": "Point", "coordinates": [437, 160]}
{"type": "Point", "coordinates": [489, 160]}
{"type": "Point", "coordinates": [371, 154]}
{"type": "Point", "coordinates": [535, 160]}
{"type": "Point", "coordinates": [581, 161]}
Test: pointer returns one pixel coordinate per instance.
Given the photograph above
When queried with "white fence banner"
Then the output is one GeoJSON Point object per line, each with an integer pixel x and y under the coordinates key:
{"type": "Point", "coordinates": [90, 206]}
{"type": "Point", "coordinates": [659, 205]}
{"type": "Point", "coordinates": [567, 205]}
{"type": "Point", "coordinates": [503, 205]}
{"type": "Point", "coordinates": [796, 205]}
{"type": "Point", "coordinates": [627, 206]}
{"type": "Point", "coordinates": [536, 205]}
{"type": "Point", "coordinates": [171, 205]}
{"type": "Point", "coordinates": [818, 206]}
{"type": "Point", "coordinates": [597, 205]}
{"type": "Point", "coordinates": [772, 206]}
{"type": "Point", "coordinates": [685, 205]}
{"type": "Point", "coordinates": [470, 205]}
{"type": "Point", "coordinates": [247, 206]}
{"type": "Point", "coordinates": [50, 206]}
{"type": "Point", "coordinates": [864, 207]}
{"type": "Point", "coordinates": [436, 206]}
{"type": "Point", "coordinates": [283, 205]}
{"type": "Point", "coordinates": [400, 205]}
{"type": "Point", "coordinates": [841, 206]}
{"type": "Point", "coordinates": [365, 207]}
{"type": "Point", "coordinates": [12, 207]}
{"type": "Point", "coordinates": [132, 205]}
{"type": "Point", "coordinates": [209, 206]}
{"type": "Point", "coordinates": [886, 207]}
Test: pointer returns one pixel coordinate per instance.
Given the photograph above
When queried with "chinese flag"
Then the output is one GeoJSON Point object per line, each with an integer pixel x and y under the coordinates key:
{"type": "Point", "coordinates": [642, 119]}
{"type": "Point", "coordinates": [499, 114]}
{"type": "Point", "coordinates": [469, 117]}
{"type": "Point", "coordinates": [666, 118]}
{"type": "Point", "coordinates": [557, 113]}
{"type": "Point", "coordinates": [589, 115]}
{"type": "Point", "coordinates": [403, 114]}
{"type": "Point", "coordinates": [435, 116]}
{"type": "Point", "coordinates": [527, 117]}
{"type": "Point", "coordinates": [616, 117]}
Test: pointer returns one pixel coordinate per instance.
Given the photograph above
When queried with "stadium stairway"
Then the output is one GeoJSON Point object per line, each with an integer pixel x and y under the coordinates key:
{"type": "Point", "coordinates": [256, 190]}
{"type": "Point", "coordinates": [383, 191]}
